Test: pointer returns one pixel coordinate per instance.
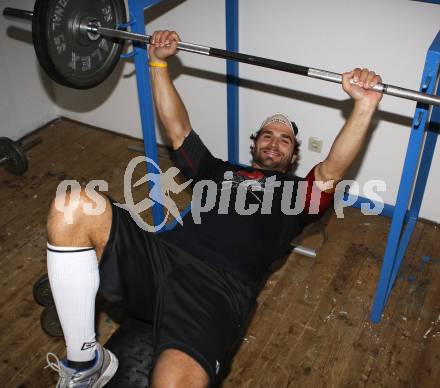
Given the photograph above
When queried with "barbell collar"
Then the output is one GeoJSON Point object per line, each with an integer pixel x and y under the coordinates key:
{"type": "Point", "coordinates": [118, 34]}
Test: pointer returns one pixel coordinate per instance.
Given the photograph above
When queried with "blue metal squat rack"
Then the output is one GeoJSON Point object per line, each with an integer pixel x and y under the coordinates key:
{"type": "Point", "coordinates": [421, 146]}
{"type": "Point", "coordinates": [419, 154]}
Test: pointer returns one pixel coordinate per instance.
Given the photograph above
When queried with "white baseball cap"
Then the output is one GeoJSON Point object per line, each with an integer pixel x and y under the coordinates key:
{"type": "Point", "coordinates": [280, 118]}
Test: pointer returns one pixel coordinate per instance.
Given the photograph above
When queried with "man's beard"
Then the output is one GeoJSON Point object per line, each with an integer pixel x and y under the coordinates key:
{"type": "Point", "coordinates": [267, 162]}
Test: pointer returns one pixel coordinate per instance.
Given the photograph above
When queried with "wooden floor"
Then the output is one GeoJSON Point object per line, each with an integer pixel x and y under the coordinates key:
{"type": "Point", "coordinates": [311, 327]}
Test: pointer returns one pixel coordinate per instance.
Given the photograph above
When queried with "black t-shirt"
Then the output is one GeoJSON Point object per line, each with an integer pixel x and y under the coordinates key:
{"type": "Point", "coordinates": [245, 245]}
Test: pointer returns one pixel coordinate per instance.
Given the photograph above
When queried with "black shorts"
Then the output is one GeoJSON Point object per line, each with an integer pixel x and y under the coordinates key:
{"type": "Point", "coordinates": [194, 307]}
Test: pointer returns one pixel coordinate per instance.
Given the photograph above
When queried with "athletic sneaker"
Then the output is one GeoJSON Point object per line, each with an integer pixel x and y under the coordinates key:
{"type": "Point", "coordinates": [97, 376]}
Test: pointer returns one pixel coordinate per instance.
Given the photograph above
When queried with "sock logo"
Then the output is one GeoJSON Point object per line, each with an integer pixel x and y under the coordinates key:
{"type": "Point", "coordinates": [88, 345]}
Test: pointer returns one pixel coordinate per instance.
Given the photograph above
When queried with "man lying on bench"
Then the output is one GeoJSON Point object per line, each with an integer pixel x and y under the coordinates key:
{"type": "Point", "coordinates": [198, 282]}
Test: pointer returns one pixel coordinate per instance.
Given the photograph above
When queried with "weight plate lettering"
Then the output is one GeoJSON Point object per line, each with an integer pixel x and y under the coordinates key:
{"type": "Point", "coordinates": [68, 53]}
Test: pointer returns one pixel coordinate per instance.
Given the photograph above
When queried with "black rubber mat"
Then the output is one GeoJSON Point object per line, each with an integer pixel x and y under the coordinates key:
{"type": "Point", "coordinates": [132, 344]}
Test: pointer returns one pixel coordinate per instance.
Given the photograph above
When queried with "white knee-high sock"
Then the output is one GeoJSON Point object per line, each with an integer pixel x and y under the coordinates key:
{"type": "Point", "coordinates": [74, 281]}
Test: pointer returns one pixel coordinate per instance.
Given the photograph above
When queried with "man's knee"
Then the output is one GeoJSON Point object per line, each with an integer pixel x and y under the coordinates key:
{"type": "Point", "coordinates": [176, 369]}
{"type": "Point", "coordinates": [75, 212]}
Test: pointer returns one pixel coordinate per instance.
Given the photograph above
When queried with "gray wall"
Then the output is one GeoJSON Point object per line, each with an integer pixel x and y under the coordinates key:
{"type": "Point", "coordinates": [26, 94]}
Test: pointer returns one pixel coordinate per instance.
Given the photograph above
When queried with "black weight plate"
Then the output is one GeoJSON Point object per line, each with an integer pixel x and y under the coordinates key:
{"type": "Point", "coordinates": [132, 343]}
{"type": "Point", "coordinates": [68, 56]}
{"type": "Point", "coordinates": [42, 292]}
{"type": "Point", "coordinates": [17, 163]}
{"type": "Point", "coordinates": [50, 323]}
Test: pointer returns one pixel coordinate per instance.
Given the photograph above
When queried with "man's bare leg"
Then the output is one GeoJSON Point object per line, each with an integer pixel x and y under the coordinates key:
{"type": "Point", "coordinates": [85, 230]}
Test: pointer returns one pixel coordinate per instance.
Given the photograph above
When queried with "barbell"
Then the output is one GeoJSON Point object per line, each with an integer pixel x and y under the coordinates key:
{"type": "Point", "coordinates": [12, 155]}
{"type": "Point", "coordinates": [78, 44]}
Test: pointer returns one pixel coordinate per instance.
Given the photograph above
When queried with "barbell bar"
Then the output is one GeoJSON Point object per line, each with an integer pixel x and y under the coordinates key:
{"type": "Point", "coordinates": [269, 63]}
{"type": "Point", "coordinates": [91, 28]}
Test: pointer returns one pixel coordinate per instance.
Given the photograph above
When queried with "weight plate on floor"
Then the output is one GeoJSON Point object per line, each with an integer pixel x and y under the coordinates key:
{"type": "Point", "coordinates": [42, 292]}
{"type": "Point", "coordinates": [50, 323]}
{"type": "Point", "coordinates": [17, 163]}
{"type": "Point", "coordinates": [69, 55]}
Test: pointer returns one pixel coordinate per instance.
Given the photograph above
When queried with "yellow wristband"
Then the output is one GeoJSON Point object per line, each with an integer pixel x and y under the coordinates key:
{"type": "Point", "coordinates": [157, 64]}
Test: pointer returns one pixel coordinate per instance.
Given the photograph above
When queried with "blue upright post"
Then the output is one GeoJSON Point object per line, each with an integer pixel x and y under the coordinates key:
{"type": "Point", "coordinates": [136, 11]}
{"type": "Point", "coordinates": [418, 151]}
{"type": "Point", "coordinates": [136, 8]}
{"type": "Point", "coordinates": [232, 79]}
{"type": "Point", "coordinates": [426, 161]}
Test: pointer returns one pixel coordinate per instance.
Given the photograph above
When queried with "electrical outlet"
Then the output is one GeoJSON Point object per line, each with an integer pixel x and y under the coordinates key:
{"type": "Point", "coordinates": [315, 144]}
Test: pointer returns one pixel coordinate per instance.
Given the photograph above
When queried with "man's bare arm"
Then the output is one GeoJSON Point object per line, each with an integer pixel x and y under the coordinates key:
{"type": "Point", "coordinates": [351, 138]}
{"type": "Point", "coordinates": [170, 108]}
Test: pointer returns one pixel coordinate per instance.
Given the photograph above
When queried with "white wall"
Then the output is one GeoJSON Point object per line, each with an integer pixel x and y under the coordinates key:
{"type": "Point", "coordinates": [26, 101]}
{"type": "Point", "coordinates": [391, 37]}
